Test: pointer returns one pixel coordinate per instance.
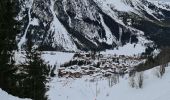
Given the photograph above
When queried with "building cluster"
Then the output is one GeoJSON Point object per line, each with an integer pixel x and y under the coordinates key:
{"type": "Point", "coordinates": [98, 64]}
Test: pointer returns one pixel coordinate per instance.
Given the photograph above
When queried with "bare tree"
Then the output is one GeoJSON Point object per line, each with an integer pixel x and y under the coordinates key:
{"type": "Point", "coordinates": [136, 80]}
{"type": "Point", "coordinates": [160, 71]}
{"type": "Point", "coordinates": [132, 80]}
{"type": "Point", "coordinates": [140, 79]}
{"type": "Point", "coordinates": [113, 79]}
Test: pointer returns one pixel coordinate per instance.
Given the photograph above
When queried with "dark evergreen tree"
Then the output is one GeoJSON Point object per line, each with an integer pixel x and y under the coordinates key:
{"type": "Point", "coordinates": [9, 28]}
{"type": "Point", "coordinates": [37, 72]}
{"type": "Point", "coordinates": [31, 82]}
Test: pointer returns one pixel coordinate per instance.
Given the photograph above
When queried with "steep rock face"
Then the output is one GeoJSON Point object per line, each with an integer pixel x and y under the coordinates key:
{"type": "Point", "coordinates": [72, 25]}
{"type": "Point", "coordinates": [41, 25]}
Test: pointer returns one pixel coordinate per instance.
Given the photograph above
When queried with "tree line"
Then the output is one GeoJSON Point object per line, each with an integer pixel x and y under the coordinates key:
{"type": "Point", "coordinates": [162, 59]}
{"type": "Point", "coordinates": [29, 79]}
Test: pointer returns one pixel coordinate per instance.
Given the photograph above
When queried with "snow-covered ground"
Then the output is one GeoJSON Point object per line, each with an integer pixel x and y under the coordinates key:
{"type": "Point", "coordinates": [98, 88]}
{"type": "Point", "coordinates": [57, 58]}
{"type": "Point", "coordinates": [6, 96]}
{"type": "Point", "coordinates": [128, 50]}
{"type": "Point", "coordinates": [50, 57]}
{"type": "Point", "coordinates": [88, 88]}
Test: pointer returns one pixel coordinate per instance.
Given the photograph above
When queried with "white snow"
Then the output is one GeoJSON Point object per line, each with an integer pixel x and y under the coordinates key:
{"type": "Point", "coordinates": [109, 37]}
{"type": "Point", "coordinates": [115, 4]}
{"type": "Point", "coordinates": [50, 57]}
{"type": "Point", "coordinates": [5, 96]}
{"type": "Point", "coordinates": [128, 49]}
{"type": "Point", "coordinates": [34, 22]}
{"type": "Point", "coordinates": [23, 38]}
{"type": "Point", "coordinates": [110, 6]}
{"type": "Point", "coordinates": [88, 88]}
{"type": "Point", "coordinates": [97, 88]}
{"type": "Point", "coordinates": [57, 58]}
{"type": "Point", "coordinates": [19, 57]}
{"type": "Point", "coordinates": [148, 10]}
{"type": "Point", "coordinates": [162, 4]}
{"type": "Point", "coordinates": [61, 36]}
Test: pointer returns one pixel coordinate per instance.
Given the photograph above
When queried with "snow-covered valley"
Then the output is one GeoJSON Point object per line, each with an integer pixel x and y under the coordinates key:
{"type": "Point", "coordinates": [118, 88]}
{"type": "Point", "coordinates": [87, 50]}
{"type": "Point", "coordinates": [97, 87]}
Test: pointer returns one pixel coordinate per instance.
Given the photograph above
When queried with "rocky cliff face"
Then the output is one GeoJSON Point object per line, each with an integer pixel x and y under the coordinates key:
{"type": "Point", "coordinates": [71, 25]}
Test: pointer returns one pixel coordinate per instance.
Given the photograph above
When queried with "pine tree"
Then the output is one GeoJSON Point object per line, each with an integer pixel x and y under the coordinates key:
{"type": "Point", "coordinates": [33, 83]}
{"type": "Point", "coordinates": [9, 28]}
{"type": "Point", "coordinates": [38, 71]}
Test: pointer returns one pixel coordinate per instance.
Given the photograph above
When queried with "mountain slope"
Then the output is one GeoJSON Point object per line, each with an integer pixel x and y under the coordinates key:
{"type": "Point", "coordinates": [92, 24]}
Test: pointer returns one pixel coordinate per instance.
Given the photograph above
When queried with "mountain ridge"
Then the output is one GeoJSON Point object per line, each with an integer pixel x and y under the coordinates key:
{"type": "Point", "coordinates": [91, 24]}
